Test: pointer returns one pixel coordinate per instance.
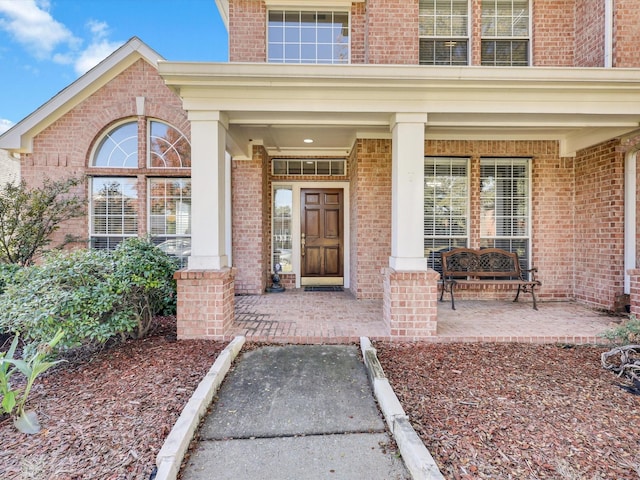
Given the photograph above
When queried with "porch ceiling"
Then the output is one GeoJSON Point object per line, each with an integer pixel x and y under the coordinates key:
{"type": "Point", "coordinates": [279, 106]}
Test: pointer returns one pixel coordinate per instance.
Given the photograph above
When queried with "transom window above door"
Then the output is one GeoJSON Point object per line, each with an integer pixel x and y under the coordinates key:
{"type": "Point", "coordinates": [308, 36]}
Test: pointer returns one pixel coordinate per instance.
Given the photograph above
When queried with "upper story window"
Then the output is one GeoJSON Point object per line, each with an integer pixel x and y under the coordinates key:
{"type": "Point", "coordinates": [505, 32]}
{"type": "Point", "coordinates": [308, 37]}
{"type": "Point", "coordinates": [444, 32]}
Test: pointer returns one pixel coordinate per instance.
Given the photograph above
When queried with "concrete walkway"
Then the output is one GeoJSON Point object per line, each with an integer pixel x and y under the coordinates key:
{"type": "Point", "coordinates": [295, 412]}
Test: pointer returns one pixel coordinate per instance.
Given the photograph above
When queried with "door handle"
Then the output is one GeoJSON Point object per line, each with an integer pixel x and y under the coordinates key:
{"type": "Point", "coordinates": [303, 242]}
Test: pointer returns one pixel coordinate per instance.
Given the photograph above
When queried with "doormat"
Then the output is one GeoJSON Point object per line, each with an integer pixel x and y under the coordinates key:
{"type": "Point", "coordinates": [323, 288]}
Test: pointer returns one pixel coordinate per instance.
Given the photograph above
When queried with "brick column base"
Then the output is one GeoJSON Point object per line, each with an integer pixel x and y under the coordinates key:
{"type": "Point", "coordinates": [205, 303]}
{"type": "Point", "coordinates": [634, 294]}
{"type": "Point", "coordinates": [410, 306]}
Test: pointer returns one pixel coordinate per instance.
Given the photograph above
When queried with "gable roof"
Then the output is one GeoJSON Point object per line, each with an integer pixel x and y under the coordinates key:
{"type": "Point", "coordinates": [19, 138]}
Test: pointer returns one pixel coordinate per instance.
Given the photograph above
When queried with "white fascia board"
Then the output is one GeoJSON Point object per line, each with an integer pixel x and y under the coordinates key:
{"type": "Point", "coordinates": [223, 9]}
{"type": "Point", "coordinates": [198, 73]}
{"type": "Point", "coordinates": [406, 88]}
{"type": "Point", "coordinates": [19, 138]}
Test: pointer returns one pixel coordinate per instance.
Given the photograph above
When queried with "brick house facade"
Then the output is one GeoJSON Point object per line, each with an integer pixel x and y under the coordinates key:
{"type": "Point", "coordinates": [568, 120]}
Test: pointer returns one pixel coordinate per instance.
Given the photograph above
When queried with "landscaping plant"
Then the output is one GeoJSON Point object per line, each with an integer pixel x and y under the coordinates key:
{"type": "Point", "coordinates": [92, 295]}
{"type": "Point", "coordinates": [28, 217]}
{"type": "Point", "coordinates": [627, 332]}
{"type": "Point", "coordinates": [15, 399]}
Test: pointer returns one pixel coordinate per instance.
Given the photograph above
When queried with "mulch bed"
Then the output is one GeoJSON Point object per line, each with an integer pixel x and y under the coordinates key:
{"type": "Point", "coordinates": [499, 411]}
{"type": "Point", "coordinates": [517, 411]}
{"type": "Point", "coordinates": [105, 414]}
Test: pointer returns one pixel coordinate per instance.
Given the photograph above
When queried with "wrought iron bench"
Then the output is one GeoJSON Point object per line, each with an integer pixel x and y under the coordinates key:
{"type": "Point", "coordinates": [488, 266]}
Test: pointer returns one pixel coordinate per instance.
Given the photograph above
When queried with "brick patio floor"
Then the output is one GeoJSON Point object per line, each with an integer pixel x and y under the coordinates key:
{"type": "Point", "coordinates": [296, 316]}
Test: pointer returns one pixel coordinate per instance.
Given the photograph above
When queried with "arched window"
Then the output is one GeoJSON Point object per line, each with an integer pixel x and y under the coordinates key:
{"type": "Point", "coordinates": [168, 148]}
{"type": "Point", "coordinates": [118, 148]}
{"type": "Point", "coordinates": [117, 208]}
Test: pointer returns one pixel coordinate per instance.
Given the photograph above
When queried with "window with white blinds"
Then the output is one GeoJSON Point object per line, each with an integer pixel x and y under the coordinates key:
{"type": "Point", "coordinates": [505, 32]}
{"type": "Point", "coordinates": [114, 211]}
{"type": "Point", "coordinates": [505, 211]}
{"type": "Point", "coordinates": [444, 32]}
{"type": "Point", "coordinates": [446, 206]}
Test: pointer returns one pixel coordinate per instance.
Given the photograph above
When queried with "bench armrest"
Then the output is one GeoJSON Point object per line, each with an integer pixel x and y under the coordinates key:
{"type": "Point", "coordinates": [532, 271]}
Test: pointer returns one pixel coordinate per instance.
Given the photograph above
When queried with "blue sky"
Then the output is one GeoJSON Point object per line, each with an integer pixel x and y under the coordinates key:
{"type": "Point", "coordinates": [47, 44]}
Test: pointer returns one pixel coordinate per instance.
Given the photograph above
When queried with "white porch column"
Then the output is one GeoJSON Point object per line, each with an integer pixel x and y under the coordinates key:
{"type": "Point", "coordinates": [208, 191]}
{"type": "Point", "coordinates": [407, 214]}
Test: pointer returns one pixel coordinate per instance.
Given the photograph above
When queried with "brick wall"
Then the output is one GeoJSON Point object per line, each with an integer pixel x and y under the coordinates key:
{"type": "Point", "coordinates": [64, 148]}
{"type": "Point", "coordinates": [627, 34]}
{"type": "Point", "coordinates": [553, 241]}
{"type": "Point", "coordinates": [358, 27]}
{"type": "Point", "coordinates": [589, 49]}
{"type": "Point", "coordinates": [205, 303]}
{"type": "Point", "coordinates": [247, 31]}
{"type": "Point", "coordinates": [248, 222]}
{"type": "Point", "coordinates": [599, 217]}
{"type": "Point", "coordinates": [553, 33]}
{"type": "Point", "coordinates": [391, 35]}
{"type": "Point", "coordinates": [370, 216]}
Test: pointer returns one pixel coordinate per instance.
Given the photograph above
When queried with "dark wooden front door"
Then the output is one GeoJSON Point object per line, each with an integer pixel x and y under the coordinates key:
{"type": "Point", "coordinates": [322, 237]}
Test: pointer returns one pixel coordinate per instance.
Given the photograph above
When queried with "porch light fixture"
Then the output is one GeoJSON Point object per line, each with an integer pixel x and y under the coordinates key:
{"type": "Point", "coordinates": [308, 140]}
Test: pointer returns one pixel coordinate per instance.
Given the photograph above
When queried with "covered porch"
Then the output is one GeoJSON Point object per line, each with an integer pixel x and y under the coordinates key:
{"type": "Point", "coordinates": [296, 316]}
{"type": "Point", "coordinates": [577, 130]}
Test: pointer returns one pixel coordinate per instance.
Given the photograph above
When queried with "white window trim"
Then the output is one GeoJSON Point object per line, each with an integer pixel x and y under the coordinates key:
{"type": "Point", "coordinates": [90, 213]}
{"type": "Point", "coordinates": [529, 37]}
{"type": "Point", "coordinates": [100, 138]}
{"type": "Point", "coordinates": [295, 7]}
{"type": "Point", "coordinates": [148, 140]}
{"type": "Point", "coordinates": [469, 213]}
{"type": "Point", "coordinates": [528, 237]}
{"type": "Point", "coordinates": [150, 180]}
{"type": "Point", "coordinates": [468, 38]}
{"type": "Point", "coordinates": [320, 5]}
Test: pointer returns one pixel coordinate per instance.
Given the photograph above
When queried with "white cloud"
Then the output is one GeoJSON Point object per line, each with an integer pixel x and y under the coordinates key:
{"type": "Point", "coordinates": [30, 23]}
{"type": "Point", "coordinates": [5, 125]}
{"type": "Point", "coordinates": [99, 48]}
{"type": "Point", "coordinates": [94, 54]}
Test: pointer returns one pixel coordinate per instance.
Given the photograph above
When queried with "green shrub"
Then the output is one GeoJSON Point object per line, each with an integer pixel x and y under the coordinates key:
{"type": "Point", "coordinates": [143, 277]}
{"type": "Point", "coordinates": [628, 332]}
{"type": "Point", "coordinates": [92, 295]}
{"type": "Point", "coordinates": [28, 216]}
{"type": "Point", "coordinates": [7, 273]}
